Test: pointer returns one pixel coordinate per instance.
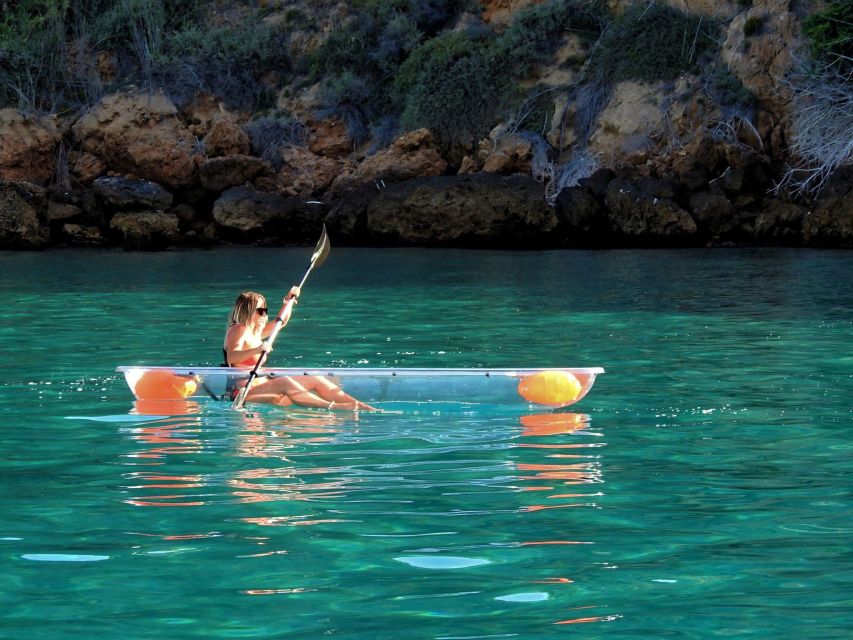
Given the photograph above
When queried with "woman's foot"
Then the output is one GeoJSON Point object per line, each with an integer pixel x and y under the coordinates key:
{"type": "Point", "coordinates": [351, 406]}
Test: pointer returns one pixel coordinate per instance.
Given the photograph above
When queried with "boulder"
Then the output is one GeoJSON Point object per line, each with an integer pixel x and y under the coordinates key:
{"type": "Point", "coordinates": [830, 222]}
{"type": "Point", "coordinates": [218, 174]}
{"type": "Point", "coordinates": [246, 210]}
{"type": "Point", "coordinates": [780, 222]}
{"type": "Point", "coordinates": [116, 193]}
{"type": "Point", "coordinates": [246, 214]}
{"type": "Point", "coordinates": [27, 147]}
{"type": "Point", "coordinates": [510, 154]}
{"type": "Point", "coordinates": [226, 138]}
{"type": "Point", "coordinates": [583, 221]}
{"type": "Point", "coordinates": [149, 230]}
{"type": "Point", "coordinates": [79, 235]}
{"type": "Point", "coordinates": [61, 211]}
{"type": "Point", "coordinates": [647, 214]}
{"type": "Point", "coordinates": [85, 167]}
{"type": "Point", "coordinates": [470, 211]}
{"type": "Point", "coordinates": [22, 213]}
{"type": "Point", "coordinates": [412, 155]}
{"type": "Point", "coordinates": [715, 217]}
{"type": "Point", "coordinates": [305, 173]}
{"type": "Point", "coordinates": [330, 138]}
{"type": "Point", "coordinates": [139, 134]}
{"type": "Point", "coordinates": [633, 115]}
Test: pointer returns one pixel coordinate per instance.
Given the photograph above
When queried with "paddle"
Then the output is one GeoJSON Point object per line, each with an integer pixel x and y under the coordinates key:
{"type": "Point", "coordinates": [321, 252]}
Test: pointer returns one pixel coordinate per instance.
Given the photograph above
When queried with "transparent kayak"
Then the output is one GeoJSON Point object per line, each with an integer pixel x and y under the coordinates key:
{"type": "Point", "coordinates": [546, 388]}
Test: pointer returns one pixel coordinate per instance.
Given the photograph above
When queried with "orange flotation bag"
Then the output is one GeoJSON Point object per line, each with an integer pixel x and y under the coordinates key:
{"type": "Point", "coordinates": [163, 385]}
{"type": "Point", "coordinates": [553, 388]}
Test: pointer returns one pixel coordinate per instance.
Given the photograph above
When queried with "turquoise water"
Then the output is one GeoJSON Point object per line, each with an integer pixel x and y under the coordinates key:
{"type": "Point", "coordinates": [701, 490]}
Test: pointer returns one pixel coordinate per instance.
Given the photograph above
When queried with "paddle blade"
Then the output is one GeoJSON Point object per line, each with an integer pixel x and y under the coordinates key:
{"type": "Point", "coordinates": [321, 251]}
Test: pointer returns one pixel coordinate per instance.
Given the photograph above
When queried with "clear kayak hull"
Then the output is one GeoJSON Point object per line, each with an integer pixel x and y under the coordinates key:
{"type": "Point", "coordinates": [546, 388]}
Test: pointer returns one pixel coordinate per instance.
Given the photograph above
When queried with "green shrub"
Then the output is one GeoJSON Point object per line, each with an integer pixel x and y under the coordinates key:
{"type": "Point", "coordinates": [651, 44]}
{"type": "Point", "coordinates": [48, 51]}
{"type": "Point", "coordinates": [536, 112]}
{"type": "Point", "coordinates": [728, 91]}
{"type": "Point", "coordinates": [35, 61]}
{"type": "Point", "coordinates": [372, 45]}
{"type": "Point", "coordinates": [533, 35]}
{"type": "Point", "coordinates": [269, 135]}
{"type": "Point", "coordinates": [345, 96]}
{"type": "Point", "coordinates": [459, 83]}
{"type": "Point", "coordinates": [830, 33]}
{"type": "Point", "coordinates": [453, 89]}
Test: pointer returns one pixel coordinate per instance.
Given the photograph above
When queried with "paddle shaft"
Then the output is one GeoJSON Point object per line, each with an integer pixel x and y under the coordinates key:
{"type": "Point", "coordinates": [319, 256]}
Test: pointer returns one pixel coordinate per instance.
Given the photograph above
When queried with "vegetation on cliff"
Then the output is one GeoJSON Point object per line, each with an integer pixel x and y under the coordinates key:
{"type": "Point", "coordinates": [316, 100]}
{"type": "Point", "coordinates": [62, 55]}
{"type": "Point", "coordinates": [823, 100]}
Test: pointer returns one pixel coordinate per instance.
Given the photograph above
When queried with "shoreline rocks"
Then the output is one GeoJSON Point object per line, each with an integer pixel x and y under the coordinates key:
{"type": "Point", "coordinates": [130, 173]}
{"type": "Point", "coordinates": [480, 210]}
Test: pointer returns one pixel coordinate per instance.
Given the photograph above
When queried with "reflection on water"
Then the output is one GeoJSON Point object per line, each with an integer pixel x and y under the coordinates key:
{"type": "Point", "coordinates": [446, 502]}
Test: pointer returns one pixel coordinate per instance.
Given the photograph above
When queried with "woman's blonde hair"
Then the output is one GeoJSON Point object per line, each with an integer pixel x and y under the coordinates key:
{"type": "Point", "coordinates": [244, 307]}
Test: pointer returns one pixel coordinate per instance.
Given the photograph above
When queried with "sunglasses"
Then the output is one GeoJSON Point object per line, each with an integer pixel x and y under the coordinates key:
{"type": "Point", "coordinates": [262, 311]}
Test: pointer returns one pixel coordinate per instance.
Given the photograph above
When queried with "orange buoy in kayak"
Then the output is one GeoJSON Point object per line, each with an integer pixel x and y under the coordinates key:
{"type": "Point", "coordinates": [553, 388]}
{"type": "Point", "coordinates": [163, 385]}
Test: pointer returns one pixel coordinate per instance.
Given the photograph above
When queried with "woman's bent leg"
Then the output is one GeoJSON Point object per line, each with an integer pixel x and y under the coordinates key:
{"type": "Point", "coordinates": [286, 390]}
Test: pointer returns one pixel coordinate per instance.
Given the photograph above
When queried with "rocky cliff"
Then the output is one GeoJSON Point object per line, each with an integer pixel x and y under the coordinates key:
{"type": "Point", "coordinates": [584, 136]}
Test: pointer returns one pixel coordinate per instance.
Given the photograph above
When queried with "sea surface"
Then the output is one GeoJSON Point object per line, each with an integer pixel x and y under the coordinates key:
{"type": "Point", "coordinates": [701, 490]}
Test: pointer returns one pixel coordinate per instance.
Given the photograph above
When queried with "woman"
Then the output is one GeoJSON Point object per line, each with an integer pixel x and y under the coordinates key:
{"type": "Point", "coordinates": [245, 343]}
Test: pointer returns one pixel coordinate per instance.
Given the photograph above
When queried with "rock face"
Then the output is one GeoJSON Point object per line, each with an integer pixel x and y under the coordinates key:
{"type": "Point", "coordinates": [139, 134]}
{"type": "Point", "coordinates": [413, 154]}
{"type": "Point", "coordinates": [305, 173]}
{"type": "Point", "coordinates": [685, 162]}
{"type": "Point", "coordinates": [632, 115]}
{"type": "Point", "coordinates": [476, 211]}
{"type": "Point", "coordinates": [830, 223]}
{"type": "Point", "coordinates": [225, 138]}
{"type": "Point", "coordinates": [508, 155]}
{"type": "Point", "coordinates": [761, 61]}
{"type": "Point", "coordinates": [27, 147]}
{"type": "Point", "coordinates": [22, 213]}
{"type": "Point", "coordinates": [647, 212]}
